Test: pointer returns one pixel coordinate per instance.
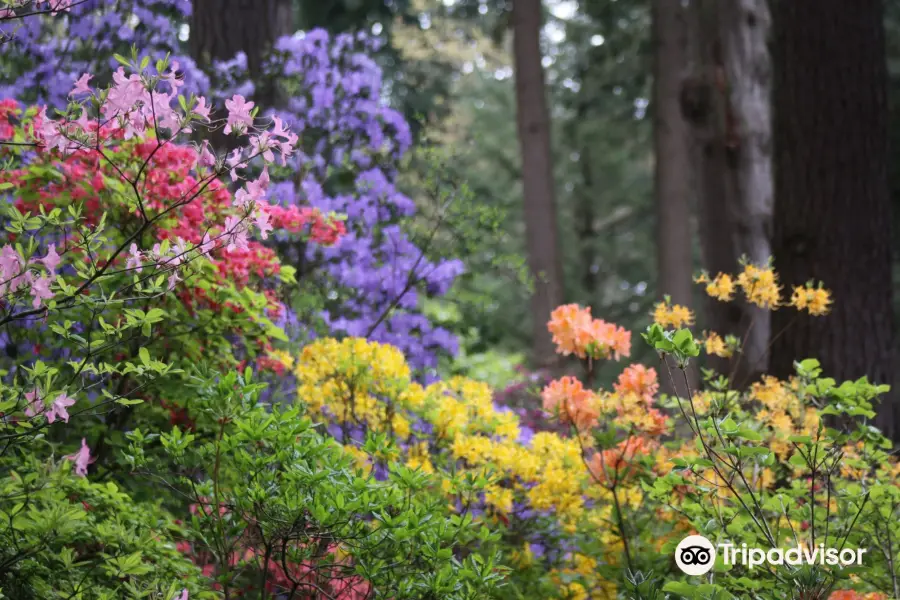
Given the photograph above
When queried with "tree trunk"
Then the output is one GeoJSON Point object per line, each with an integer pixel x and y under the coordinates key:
{"type": "Point", "coordinates": [673, 185]}
{"type": "Point", "coordinates": [222, 28]}
{"type": "Point", "coordinates": [726, 99]}
{"type": "Point", "coordinates": [832, 211]}
{"type": "Point", "coordinates": [537, 176]}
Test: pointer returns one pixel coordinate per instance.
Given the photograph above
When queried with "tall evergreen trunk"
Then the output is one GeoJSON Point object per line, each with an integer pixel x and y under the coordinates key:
{"type": "Point", "coordinates": [673, 185]}
{"type": "Point", "coordinates": [832, 210]}
{"type": "Point", "coordinates": [537, 176]}
{"type": "Point", "coordinates": [222, 28]}
{"type": "Point", "coordinates": [726, 99]}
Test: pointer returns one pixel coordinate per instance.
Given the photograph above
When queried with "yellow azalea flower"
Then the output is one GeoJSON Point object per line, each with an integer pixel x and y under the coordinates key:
{"type": "Point", "coordinates": [360, 458]}
{"type": "Point", "coordinates": [716, 346]}
{"type": "Point", "coordinates": [721, 288]}
{"type": "Point", "coordinates": [283, 357]}
{"type": "Point", "coordinates": [816, 301]}
{"type": "Point", "coordinates": [760, 286]}
{"type": "Point", "coordinates": [575, 591]}
{"type": "Point", "coordinates": [525, 557]}
{"type": "Point", "coordinates": [584, 565]}
{"type": "Point", "coordinates": [674, 316]}
{"type": "Point", "coordinates": [400, 426]}
{"type": "Point", "coordinates": [500, 498]}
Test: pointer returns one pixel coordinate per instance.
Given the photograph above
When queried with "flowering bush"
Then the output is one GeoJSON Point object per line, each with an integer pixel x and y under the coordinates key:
{"type": "Point", "coordinates": [276, 508]}
{"type": "Point", "coordinates": [782, 464]}
{"type": "Point", "coordinates": [370, 283]}
{"type": "Point", "coordinates": [598, 513]}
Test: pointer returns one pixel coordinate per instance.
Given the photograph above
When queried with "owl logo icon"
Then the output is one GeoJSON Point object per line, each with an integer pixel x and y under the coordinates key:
{"type": "Point", "coordinates": [695, 555]}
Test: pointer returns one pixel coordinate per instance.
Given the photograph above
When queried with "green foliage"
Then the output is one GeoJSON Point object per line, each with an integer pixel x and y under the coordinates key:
{"type": "Point", "coordinates": [276, 502]}
{"type": "Point", "coordinates": [66, 537]}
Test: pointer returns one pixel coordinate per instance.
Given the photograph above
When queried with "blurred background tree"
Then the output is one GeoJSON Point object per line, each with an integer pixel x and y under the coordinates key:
{"type": "Point", "coordinates": [638, 207]}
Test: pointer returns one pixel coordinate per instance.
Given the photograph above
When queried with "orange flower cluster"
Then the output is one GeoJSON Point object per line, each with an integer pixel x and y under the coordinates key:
{"type": "Point", "coordinates": [639, 380]}
{"type": "Point", "coordinates": [576, 332]}
{"type": "Point", "coordinates": [568, 399]}
{"type": "Point", "coordinates": [615, 465]}
{"type": "Point", "coordinates": [852, 595]}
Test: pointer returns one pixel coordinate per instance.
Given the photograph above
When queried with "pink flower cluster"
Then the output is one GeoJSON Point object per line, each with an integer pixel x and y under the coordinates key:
{"type": "Point", "coordinates": [51, 6]}
{"type": "Point", "coordinates": [57, 410]}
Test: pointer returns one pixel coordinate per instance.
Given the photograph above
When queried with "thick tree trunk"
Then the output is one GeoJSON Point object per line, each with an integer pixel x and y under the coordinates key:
{"type": "Point", "coordinates": [537, 176]}
{"type": "Point", "coordinates": [222, 28]}
{"type": "Point", "coordinates": [832, 210]}
{"type": "Point", "coordinates": [726, 98]}
{"type": "Point", "coordinates": [673, 185]}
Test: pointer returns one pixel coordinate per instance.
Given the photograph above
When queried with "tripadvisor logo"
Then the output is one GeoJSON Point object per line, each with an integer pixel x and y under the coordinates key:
{"type": "Point", "coordinates": [696, 555]}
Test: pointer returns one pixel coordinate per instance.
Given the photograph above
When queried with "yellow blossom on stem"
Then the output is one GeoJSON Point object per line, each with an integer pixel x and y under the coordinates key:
{"type": "Point", "coordinates": [675, 316]}
{"type": "Point", "coordinates": [716, 346]}
{"type": "Point", "coordinates": [721, 288]}
{"type": "Point", "coordinates": [760, 286]}
{"type": "Point", "coordinates": [815, 300]}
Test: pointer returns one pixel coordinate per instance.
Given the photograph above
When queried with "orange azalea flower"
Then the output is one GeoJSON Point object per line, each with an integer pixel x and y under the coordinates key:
{"type": "Point", "coordinates": [639, 380]}
{"type": "Point", "coordinates": [610, 339]}
{"type": "Point", "coordinates": [568, 399]}
{"type": "Point", "coordinates": [569, 324]}
{"type": "Point", "coordinates": [576, 332]}
{"type": "Point", "coordinates": [617, 464]}
{"type": "Point", "coordinates": [853, 595]}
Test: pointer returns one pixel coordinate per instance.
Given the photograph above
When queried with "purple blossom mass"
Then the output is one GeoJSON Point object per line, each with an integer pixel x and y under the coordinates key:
{"type": "Point", "coordinates": [332, 96]}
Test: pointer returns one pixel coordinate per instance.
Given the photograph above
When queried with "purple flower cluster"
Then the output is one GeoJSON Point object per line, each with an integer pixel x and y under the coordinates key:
{"type": "Point", "coordinates": [333, 95]}
{"type": "Point", "coordinates": [49, 54]}
{"type": "Point", "coordinates": [353, 144]}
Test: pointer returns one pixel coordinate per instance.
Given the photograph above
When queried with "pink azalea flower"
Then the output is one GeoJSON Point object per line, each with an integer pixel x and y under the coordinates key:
{"type": "Point", "coordinates": [184, 595]}
{"type": "Point", "coordinates": [237, 234]}
{"type": "Point", "coordinates": [179, 251]}
{"type": "Point", "coordinates": [134, 259]}
{"type": "Point", "coordinates": [81, 86]}
{"type": "Point", "coordinates": [207, 158]}
{"type": "Point", "coordinates": [10, 263]}
{"type": "Point", "coordinates": [59, 408]}
{"type": "Point", "coordinates": [206, 245]}
{"type": "Point", "coordinates": [238, 113]}
{"type": "Point", "coordinates": [287, 148]}
{"type": "Point", "coordinates": [82, 458]}
{"type": "Point", "coordinates": [262, 221]}
{"type": "Point", "coordinates": [40, 289]}
{"type": "Point", "coordinates": [173, 280]}
{"type": "Point", "coordinates": [202, 108]}
{"type": "Point", "coordinates": [35, 404]}
{"type": "Point", "coordinates": [259, 144]}
{"type": "Point", "coordinates": [52, 260]}
{"type": "Point", "coordinates": [232, 162]}
{"type": "Point", "coordinates": [126, 92]}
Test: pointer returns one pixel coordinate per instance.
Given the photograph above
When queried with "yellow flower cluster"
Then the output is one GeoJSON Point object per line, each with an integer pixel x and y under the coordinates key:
{"type": "Point", "coordinates": [720, 288]}
{"type": "Point", "coordinates": [675, 316]}
{"type": "Point", "coordinates": [587, 583]}
{"type": "Point", "coordinates": [783, 412]}
{"type": "Point", "coordinates": [365, 383]}
{"type": "Point", "coordinates": [816, 300]}
{"type": "Point", "coordinates": [716, 346]}
{"type": "Point", "coordinates": [349, 378]}
{"type": "Point", "coordinates": [760, 287]}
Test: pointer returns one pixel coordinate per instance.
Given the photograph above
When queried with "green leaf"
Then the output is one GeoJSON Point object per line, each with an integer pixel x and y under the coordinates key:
{"type": "Point", "coordinates": [749, 434]}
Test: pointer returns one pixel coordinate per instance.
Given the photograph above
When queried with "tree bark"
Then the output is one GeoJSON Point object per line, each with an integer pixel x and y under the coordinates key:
{"type": "Point", "coordinates": [673, 185]}
{"type": "Point", "coordinates": [726, 99]}
{"type": "Point", "coordinates": [222, 28]}
{"type": "Point", "coordinates": [537, 176]}
{"type": "Point", "coordinates": [832, 210]}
